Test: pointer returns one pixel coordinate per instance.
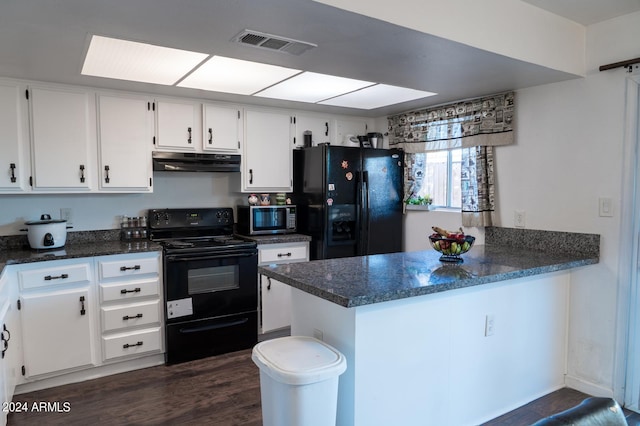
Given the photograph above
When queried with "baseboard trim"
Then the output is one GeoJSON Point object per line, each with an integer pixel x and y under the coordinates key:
{"type": "Point", "coordinates": [587, 387]}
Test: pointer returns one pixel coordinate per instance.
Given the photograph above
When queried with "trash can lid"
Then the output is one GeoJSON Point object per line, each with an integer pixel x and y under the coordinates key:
{"type": "Point", "coordinates": [298, 360]}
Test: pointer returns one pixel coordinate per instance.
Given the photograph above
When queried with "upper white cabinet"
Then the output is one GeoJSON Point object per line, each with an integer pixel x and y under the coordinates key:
{"type": "Point", "coordinates": [222, 128]}
{"type": "Point", "coordinates": [345, 128]}
{"type": "Point", "coordinates": [268, 151]}
{"type": "Point", "coordinates": [178, 125]}
{"type": "Point", "coordinates": [13, 166]}
{"type": "Point", "coordinates": [61, 139]}
{"type": "Point", "coordinates": [125, 136]}
{"type": "Point", "coordinates": [319, 127]}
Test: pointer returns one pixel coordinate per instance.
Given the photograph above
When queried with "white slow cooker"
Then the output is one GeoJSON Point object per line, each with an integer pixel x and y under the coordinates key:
{"type": "Point", "coordinates": [46, 233]}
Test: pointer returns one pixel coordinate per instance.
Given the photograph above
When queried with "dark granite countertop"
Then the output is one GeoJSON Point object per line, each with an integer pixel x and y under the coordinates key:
{"type": "Point", "coordinates": [87, 244]}
{"type": "Point", "coordinates": [277, 238]}
{"type": "Point", "coordinates": [358, 281]}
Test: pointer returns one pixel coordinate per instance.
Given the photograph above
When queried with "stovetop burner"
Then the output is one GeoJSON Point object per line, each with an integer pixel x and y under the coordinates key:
{"type": "Point", "coordinates": [195, 230]}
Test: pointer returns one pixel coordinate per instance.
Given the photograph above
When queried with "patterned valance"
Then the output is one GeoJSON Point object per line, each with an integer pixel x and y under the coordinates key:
{"type": "Point", "coordinates": [486, 121]}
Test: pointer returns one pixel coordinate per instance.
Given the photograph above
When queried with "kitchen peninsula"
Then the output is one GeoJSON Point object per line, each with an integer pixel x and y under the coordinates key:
{"type": "Point", "coordinates": [434, 343]}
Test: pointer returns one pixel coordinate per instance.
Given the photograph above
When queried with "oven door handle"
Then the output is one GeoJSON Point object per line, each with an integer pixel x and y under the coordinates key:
{"type": "Point", "coordinates": [187, 330]}
{"type": "Point", "coordinates": [178, 258]}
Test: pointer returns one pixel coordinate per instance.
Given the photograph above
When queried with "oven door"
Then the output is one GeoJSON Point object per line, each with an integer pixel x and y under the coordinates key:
{"type": "Point", "coordinates": [199, 285]}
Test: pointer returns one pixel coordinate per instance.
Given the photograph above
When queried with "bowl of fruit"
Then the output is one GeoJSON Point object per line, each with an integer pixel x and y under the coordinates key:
{"type": "Point", "coordinates": [450, 244]}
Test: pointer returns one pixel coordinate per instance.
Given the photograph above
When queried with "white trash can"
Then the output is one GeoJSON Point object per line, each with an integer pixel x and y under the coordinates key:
{"type": "Point", "coordinates": [298, 381]}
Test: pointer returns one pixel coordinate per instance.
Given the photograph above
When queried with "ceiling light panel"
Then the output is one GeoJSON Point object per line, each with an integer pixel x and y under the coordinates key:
{"type": "Point", "coordinates": [229, 75]}
{"type": "Point", "coordinates": [376, 96]}
{"type": "Point", "coordinates": [134, 61]}
{"type": "Point", "coordinates": [312, 87]}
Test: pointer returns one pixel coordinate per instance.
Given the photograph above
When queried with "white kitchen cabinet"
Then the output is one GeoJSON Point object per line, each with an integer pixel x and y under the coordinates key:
{"type": "Point", "coordinates": [57, 315]}
{"type": "Point", "coordinates": [10, 342]}
{"type": "Point", "coordinates": [268, 152]}
{"type": "Point", "coordinates": [319, 127]}
{"type": "Point", "coordinates": [178, 126]}
{"type": "Point", "coordinates": [62, 139]}
{"type": "Point", "coordinates": [275, 297]}
{"type": "Point", "coordinates": [345, 127]}
{"type": "Point", "coordinates": [14, 170]}
{"type": "Point", "coordinates": [131, 309]}
{"type": "Point", "coordinates": [222, 128]}
{"type": "Point", "coordinates": [125, 137]}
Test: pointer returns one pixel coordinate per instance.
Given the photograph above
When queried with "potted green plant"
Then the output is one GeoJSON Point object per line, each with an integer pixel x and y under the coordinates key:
{"type": "Point", "coordinates": [424, 202]}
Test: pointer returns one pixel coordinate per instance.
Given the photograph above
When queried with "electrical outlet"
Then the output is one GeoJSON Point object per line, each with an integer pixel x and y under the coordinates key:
{"type": "Point", "coordinates": [519, 217]}
{"type": "Point", "coordinates": [489, 325]}
{"type": "Point", "coordinates": [66, 214]}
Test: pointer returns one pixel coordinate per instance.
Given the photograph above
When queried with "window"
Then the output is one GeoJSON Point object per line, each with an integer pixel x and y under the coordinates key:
{"type": "Point", "coordinates": [440, 172]}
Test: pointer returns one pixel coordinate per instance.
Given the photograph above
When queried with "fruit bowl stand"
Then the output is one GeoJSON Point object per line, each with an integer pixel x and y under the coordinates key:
{"type": "Point", "coordinates": [452, 248]}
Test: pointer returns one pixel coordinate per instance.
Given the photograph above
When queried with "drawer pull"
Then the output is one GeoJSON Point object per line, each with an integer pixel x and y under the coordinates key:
{"type": "Point", "coordinates": [127, 345]}
{"type": "Point", "coordinates": [284, 254]}
{"type": "Point", "coordinates": [82, 310]}
{"type": "Point", "coordinates": [127, 317]}
{"type": "Point", "coordinates": [12, 166]}
{"type": "Point", "coordinates": [125, 291]}
{"type": "Point", "coordinates": [128, 268]}
{"type": "Point", "coordinates": [5, 341]}
{"type": "Point", "coordinates": [50, 277]}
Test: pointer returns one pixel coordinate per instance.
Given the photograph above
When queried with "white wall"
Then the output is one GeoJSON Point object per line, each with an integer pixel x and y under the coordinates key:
{"type": "Point", "coordinates": [568, 153]}
{"type": "Point", "coordinates": [102, 211]}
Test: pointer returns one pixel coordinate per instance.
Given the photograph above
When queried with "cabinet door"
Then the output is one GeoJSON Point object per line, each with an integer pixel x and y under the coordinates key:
{"type": "Point", "coordinates": [276, 304]}
{"type": "Point", "coordinates": [126, 141]}
{"type": "Point", "coordinates": [61, 136]}
{"type": "Point", "coordinates": [57, 333]}
{"type": "Point", "coordinates": [318, 126]}
{"type": "Point", "coordinates": [12, 165]}
{"type": "Point", "coordinates": [221, 128]}
{"type": "Point", "coordinates": [344, 128]}
{"type": "Point", "coordinates": [268, 152]}
{"type": "Point", "coordinates": [11, 348]}
{"type": "Point", "coordinates": [177, 125]}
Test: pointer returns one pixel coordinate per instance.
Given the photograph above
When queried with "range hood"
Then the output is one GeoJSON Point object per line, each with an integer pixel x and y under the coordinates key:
{"type": "Point", "coordinates": [192, 162]}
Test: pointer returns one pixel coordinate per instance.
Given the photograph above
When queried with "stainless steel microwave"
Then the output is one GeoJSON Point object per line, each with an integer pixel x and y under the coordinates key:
{"type": "Point", "coordinates": [266, 220]}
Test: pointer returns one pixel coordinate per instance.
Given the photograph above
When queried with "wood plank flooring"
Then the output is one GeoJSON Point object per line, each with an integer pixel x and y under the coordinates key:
{"type": "Point", "coordinates": [221, 391]}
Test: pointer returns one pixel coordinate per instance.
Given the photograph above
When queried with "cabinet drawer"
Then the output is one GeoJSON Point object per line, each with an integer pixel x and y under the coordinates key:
{"type": "Point", "coordinates": [134, 343]}
{"type": "Point", "coordinates": [55, 275]}
{"type": "Point", "coordinates": [124, 267]}
{"type": "Point", "coordinates": [129, 290]}
{"type": "Point", "coordinates": [283, 253]}
{"type": "Point", "coordinates": [131, 315]}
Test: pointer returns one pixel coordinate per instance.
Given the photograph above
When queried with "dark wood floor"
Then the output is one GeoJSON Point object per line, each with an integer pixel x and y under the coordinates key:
{"type": "Point", "coordinates": [222, 390]}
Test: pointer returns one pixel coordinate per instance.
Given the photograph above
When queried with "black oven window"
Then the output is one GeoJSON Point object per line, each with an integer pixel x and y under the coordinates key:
{"type": "Point", "coordinates": [215, 278]}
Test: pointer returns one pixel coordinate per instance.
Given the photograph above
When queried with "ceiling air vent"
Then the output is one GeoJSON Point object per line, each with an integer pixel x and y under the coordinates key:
{"type": "Point", "coordinates": [272, 42]}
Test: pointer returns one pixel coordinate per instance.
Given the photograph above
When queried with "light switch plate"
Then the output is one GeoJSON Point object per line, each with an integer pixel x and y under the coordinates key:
{"type": "Point", "coordinates": [605, 207]}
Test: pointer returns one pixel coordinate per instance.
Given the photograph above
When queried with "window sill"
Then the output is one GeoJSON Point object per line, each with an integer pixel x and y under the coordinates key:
{"type": "Point", "coordinates": [419, 207]}
{"type": "Point", "coordinates": [431, 208]}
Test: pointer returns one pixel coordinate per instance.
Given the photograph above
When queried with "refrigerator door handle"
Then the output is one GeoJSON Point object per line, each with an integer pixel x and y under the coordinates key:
{"type": "Point", "coordinates": [364, 206]}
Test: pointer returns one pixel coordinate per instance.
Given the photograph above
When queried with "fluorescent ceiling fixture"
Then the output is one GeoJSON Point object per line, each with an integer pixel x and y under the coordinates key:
{"type": "Point", "coordinates": [133, 61]}
{"type": "Point", "coordinates": [376, 96]}
{"type": "Point", "coordinates": [229, 75]}
{"type": "Point", "coordinates": [312, 87]}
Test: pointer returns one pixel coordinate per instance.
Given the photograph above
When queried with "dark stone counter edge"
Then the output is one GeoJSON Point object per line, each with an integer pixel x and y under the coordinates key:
{"type": "Point", "coordinates": [79, 250]}
{"type": "Point", "coordinates": [277, 238]}
{"type": "Point", "coordinates": [413, 292]}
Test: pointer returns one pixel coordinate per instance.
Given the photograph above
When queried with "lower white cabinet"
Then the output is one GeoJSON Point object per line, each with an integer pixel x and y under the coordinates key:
{"type": "Point", "coordinates": [131, 315]}
{"type": "Point", "coordinates": [275, 297]}
{"type": "Point", "coordinates": [11, 344]}
{"type": "Point", "coordinates": [57, 314]}
{"type": "Point", "coordinates": [85, 316]}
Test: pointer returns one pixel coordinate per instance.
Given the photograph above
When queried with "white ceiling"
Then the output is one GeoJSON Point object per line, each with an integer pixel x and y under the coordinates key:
{"type": "Point", "coordinates": [47, 41]}
{"type": "Point", "coordinates": [587, 12]}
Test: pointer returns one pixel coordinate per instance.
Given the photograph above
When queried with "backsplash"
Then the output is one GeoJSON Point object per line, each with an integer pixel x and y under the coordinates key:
{"type": "Point", "coordinates": [547, 241]}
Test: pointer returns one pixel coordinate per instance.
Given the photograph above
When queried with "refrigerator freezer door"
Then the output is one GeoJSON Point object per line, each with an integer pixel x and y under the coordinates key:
{"type": "Point", "coordinates": [384, 171]}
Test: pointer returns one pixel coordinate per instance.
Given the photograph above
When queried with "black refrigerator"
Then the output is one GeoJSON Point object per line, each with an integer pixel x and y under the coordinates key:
{"type": "Point", "coordinates": [349, 199]}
